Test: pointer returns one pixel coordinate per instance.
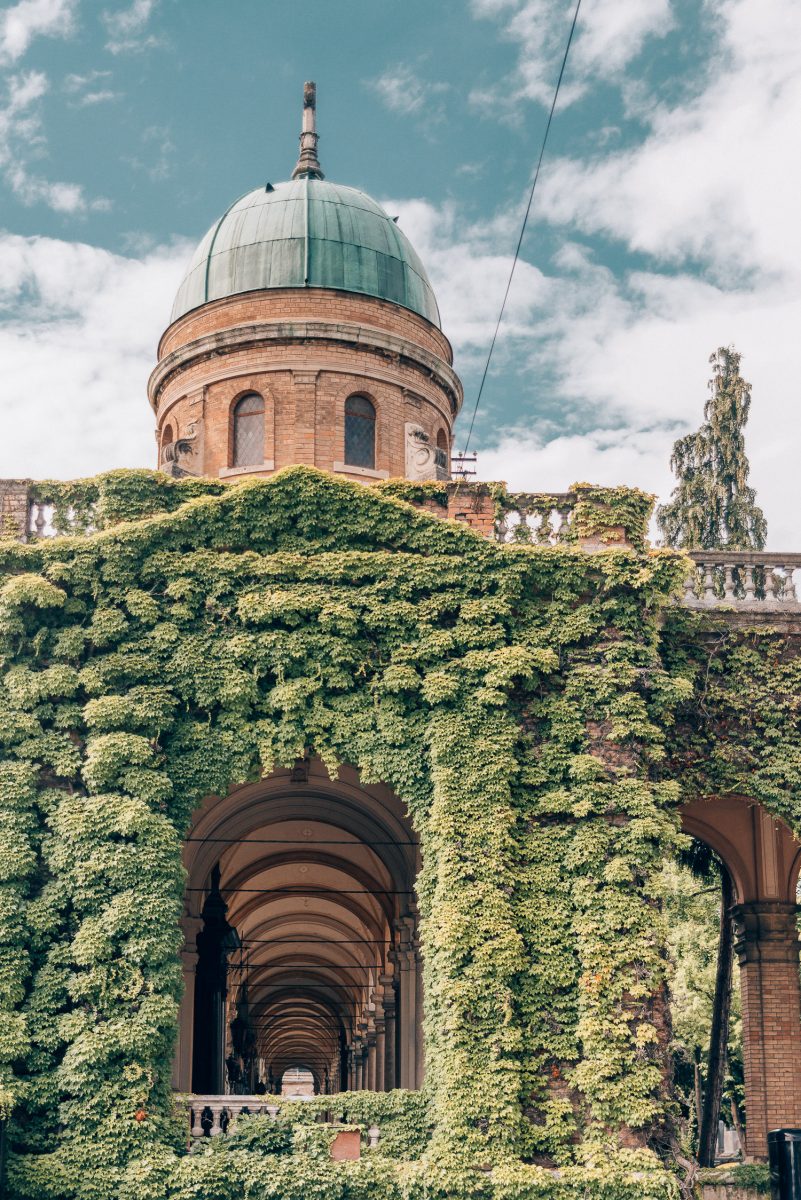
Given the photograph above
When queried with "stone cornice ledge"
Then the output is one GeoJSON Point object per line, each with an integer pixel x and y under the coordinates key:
{"type": "Point", "coordinates": [345, 333]}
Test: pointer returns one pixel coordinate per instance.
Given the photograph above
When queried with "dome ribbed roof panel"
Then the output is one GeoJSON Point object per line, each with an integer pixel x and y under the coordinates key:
{"type": "Point", "coordinates": [307, 233]}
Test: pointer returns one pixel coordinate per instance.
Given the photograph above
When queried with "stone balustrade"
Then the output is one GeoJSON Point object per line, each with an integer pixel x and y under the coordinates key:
{"type": "Point", "coordinates": [537, 517]}
{"type": "Point", "coordinates": [745, 580]}
{"type": "Point", "coordinates": [39, 519]}
{"type": "Point", "coordinates": [212, 1115]}
{"type": "Point", "coordinates": [209, 1116]}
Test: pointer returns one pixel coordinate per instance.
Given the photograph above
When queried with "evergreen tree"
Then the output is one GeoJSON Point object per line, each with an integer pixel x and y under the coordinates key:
{"type": "Point", "coordinates": [712, 506]}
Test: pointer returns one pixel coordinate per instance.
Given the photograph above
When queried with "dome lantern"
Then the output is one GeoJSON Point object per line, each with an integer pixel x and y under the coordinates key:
{"type": "Point", "coordinates": [307, 166]}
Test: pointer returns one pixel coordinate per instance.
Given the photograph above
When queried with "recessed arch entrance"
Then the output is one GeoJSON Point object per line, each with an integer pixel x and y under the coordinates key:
{"type": "Point", "coordinates": [301, 948]}
{"type": "Point", "coordinates": [763, 858]}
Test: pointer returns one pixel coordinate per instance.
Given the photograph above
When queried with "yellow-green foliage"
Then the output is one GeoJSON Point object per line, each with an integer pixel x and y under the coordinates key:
{"type": "Point", "coordinates": [513, 696]}
{"type": "Point", "coordinates": [739, 730]}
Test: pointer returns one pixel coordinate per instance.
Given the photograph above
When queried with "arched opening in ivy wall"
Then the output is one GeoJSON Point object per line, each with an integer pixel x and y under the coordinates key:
{"type": "Point", "coordinates": [301, 938]}
{"type": "Point", "coordinates": [739, 875]}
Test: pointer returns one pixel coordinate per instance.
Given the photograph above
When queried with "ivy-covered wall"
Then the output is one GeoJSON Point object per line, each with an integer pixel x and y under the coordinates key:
{"type": "Point", "coordinates": [519, 699]}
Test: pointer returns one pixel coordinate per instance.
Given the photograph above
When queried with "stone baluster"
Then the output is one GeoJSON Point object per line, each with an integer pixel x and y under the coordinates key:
{"type": "Point", "coordinates": [216, 1119]}
{"type": "Point", "coordinates": [773, 584]}
{"type": "Point", "coordinates": [373, 1136]}
{"type": "Point", "coordinates": [272, 1111]}
{"type": "Point", "coordinates": [729, 592]}
{"type": "Point", "coordinates": [197, 1121]}
{"type": "Point", "coordinates": [690, 584]}
{"type": "Point", "coordinates": [40, 519]}
{"type": "Point", "coordinates": [709, 583]}
{"type": "Point", "coordinates": [749, 584]}
{"type": "Point", "coordinates": [502, 529]}
{"type": "Point", "coordinates": [789, 585]}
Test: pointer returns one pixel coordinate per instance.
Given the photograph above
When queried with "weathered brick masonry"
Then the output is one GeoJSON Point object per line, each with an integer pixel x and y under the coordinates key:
{"type": "Point", "coordinates": [304, 352]}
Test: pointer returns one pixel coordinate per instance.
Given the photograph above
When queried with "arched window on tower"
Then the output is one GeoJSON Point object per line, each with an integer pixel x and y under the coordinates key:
{"type": "Point", "coordinates": [441, 457]}
{"type": "Point", "coordinates": [359, 432]}
{"type": "Point", "coordinates": [248, 439]}
{"type": "Point", "coordinates": [166, 444]}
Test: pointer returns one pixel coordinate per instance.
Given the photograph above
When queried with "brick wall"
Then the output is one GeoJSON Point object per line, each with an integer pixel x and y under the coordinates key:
{"type": "Point", "coordinates": [304, 381]}
{"type": "Point", "coordinates": [294, 304]}
{"type": "Point", "coordinates": [14, 502]}
{"type": "Point", "coordinates": [767, 946]}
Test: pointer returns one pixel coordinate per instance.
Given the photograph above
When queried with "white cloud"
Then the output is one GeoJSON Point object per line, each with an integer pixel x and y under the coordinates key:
{"type": "Point", "coordinates": [716, 179]}
{"type": "Point", "coordinates": [469, 273]}
{"type": "Point", "coordinates": [77, 353]}
{"type": "Point", "coordinates": [89, 89]}
{"type": "Point", "coordinates": [28, 19]}
{"type": "Point", "coordinates": [20, 137]}
{"type": "Point", "coordinates": [625, 356]}
{"type": "Point", "coordinates": [612, 366]}
{"type": "Point", "coordinates": [404, 91]}
{"type": "Point", "coordinates": [126, 27]}
{"type": "Point", "coordinates": [609, 35]}
{"type": "Point", "coordinates": [159, 156]}
{"type": "Point", "coordinates": [99, 97]}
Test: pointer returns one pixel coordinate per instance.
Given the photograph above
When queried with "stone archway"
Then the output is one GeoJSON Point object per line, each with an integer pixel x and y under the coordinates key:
{"type": "Point", "coordinates": [323, 968]}
{"type": "Point", "coordinates": [763, 857]}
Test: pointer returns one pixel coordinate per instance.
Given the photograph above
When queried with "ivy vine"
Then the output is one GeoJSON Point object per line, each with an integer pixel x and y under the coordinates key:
{"type": "Point", "coordinates": [521, 701]}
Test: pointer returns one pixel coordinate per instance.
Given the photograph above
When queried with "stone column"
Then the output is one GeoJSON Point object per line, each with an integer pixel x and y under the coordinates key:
{"type": "Point", "coordinates": [371, 1060]}
{"type": "Point", "coordinates": [419, 1041]}
{"type": "Point", "coordinates": [407, 958]}
{"type": "Point", "coordinates": [389, 1032]}
{"type": "Point", "coordinates": [358, 1082]}
{"type": "Point", "coordinates": [380, 1052]}
{"type": "Point", "coordinates": [182, 1061]}
{"type": "Point", "coordinates": [766, 940]}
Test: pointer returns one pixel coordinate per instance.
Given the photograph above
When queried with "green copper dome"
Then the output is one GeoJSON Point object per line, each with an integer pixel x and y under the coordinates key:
{"type": "Point", "coordinates": [307, 233]}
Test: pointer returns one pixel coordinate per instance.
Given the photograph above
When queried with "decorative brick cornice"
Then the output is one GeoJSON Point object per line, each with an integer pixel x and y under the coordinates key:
{"type": "Point", "coordinates": [276, 333]}
{"type": "Point", "coordinates": [766, 931]}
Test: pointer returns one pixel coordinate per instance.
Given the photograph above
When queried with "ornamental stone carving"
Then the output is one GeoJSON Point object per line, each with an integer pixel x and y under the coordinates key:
{"type": "Point", "coordinates": [424, 460]}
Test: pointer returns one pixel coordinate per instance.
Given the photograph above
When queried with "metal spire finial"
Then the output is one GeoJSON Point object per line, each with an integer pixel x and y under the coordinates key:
{"type": "Point", "coordinates": [308, 166]}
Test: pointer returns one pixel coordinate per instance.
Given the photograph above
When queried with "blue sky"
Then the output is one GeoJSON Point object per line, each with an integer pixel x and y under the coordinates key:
{"type": "Point", "coordinates": [666, 223]}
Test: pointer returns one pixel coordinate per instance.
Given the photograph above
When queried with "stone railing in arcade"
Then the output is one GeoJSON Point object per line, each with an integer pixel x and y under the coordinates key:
{"type": "Point", "coordinates": [210, 1116]}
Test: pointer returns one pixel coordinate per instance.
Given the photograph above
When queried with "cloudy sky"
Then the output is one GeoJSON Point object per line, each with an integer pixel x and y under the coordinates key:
{"type": "Point", "coordinates": [667, 221]}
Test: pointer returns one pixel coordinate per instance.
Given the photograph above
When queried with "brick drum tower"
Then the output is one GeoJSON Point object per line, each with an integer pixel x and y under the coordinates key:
{"type": "Point", "coordinates": [305, 331]}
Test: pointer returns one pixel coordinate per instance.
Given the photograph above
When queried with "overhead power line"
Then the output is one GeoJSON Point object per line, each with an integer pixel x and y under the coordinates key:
{"type": "Point", "coordinates": [525, 223]}
{"type": "Point", "coordinates": [301, 890]}
{"type": "Point", "coordinates": [299, 841]}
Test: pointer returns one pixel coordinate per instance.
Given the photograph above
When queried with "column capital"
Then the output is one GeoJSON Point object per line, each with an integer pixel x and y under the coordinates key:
{"type": "Point", "coordinates": [765, 931]}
